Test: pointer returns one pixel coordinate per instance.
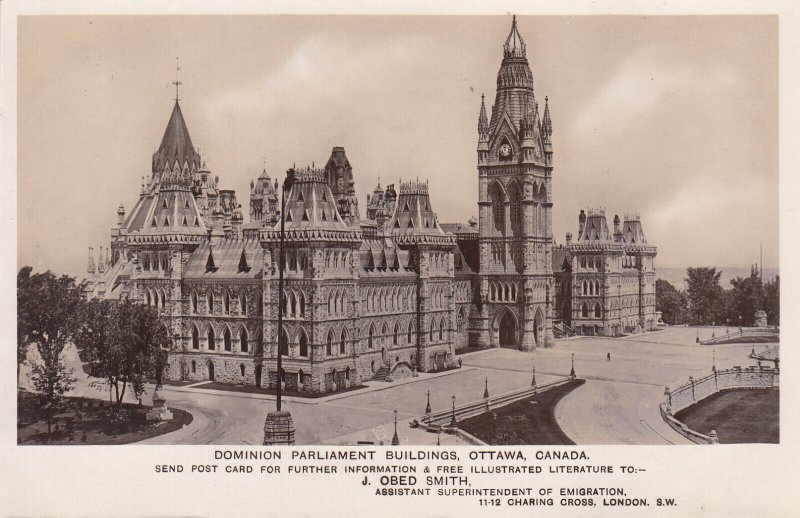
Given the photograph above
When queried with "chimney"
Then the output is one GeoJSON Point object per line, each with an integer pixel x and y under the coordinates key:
{"type": "Point", "coordinates": [120, 216]}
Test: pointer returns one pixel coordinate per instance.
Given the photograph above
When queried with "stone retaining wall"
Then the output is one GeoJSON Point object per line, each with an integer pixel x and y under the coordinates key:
{"type": "Point", "coordinates": [696, 390]}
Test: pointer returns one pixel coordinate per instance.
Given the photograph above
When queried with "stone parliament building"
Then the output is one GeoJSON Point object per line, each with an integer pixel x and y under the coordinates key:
{"type": "Point", "coordinates": [376, 295]}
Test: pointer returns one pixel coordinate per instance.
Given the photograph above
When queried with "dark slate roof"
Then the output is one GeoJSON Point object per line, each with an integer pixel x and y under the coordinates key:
{"type": "Point", "coordinates": [176, 144]}
{"type": "Point", "coordinates": [231, 259]}
{"type": "Point", "coordinates": [167, 211]}
{"type": "Point", "coordinates": [559, 255]}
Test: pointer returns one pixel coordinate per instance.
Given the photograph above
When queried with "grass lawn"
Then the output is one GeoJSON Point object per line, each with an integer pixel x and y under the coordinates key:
{"type": "Point", "coordinates": [252, 389]}
{"type": "Point", "coordinates": [88, 421]}
{"type": "Point", "coordinates": [529, 421]}
{"type": "Point", "coordinates": [738, 416]}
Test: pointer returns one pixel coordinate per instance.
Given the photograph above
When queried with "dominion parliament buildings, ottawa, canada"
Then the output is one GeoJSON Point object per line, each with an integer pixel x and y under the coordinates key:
{"type": "Point", "coordinates": [380, 292]}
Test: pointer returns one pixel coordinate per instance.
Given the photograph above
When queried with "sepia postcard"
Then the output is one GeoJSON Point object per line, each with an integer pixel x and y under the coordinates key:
{"type": "Point", "coordinates": [436, 261]}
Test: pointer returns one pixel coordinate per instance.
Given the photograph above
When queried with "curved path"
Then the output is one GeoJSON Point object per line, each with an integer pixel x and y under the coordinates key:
{"type": "Point", "coordinates": [618, 404]}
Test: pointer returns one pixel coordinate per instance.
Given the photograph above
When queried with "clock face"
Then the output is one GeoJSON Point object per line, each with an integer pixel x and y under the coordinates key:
{"type": "Point", "coordinates": [505, 150]}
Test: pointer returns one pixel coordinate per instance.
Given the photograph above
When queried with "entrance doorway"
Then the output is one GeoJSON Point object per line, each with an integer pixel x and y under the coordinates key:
{"type": "Point", "coordinates": [210, 370]}
{"type": "Point", "coordinates": [507, 330]}
{"type": "Point", "coordinates": [258, 375]}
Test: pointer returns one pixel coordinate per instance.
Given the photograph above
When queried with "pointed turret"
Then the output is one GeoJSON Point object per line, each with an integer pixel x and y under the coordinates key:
{"type": "Point", "coordinates": [176, 159]}
{"type": "Point", "coordinates": [547, 125]}
{"type": "Point", "coordinates": [90, 266]}
{"type": "Point", "coordinates": [483, 122]}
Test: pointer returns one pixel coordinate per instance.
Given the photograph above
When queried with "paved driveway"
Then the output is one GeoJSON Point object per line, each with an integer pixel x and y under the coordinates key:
{"type": "Point", "coordinates": [617, 405]}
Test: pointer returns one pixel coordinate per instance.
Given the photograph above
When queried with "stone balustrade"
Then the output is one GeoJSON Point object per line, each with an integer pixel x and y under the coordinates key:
{"type": "Point", "coordinates": [696, 390]}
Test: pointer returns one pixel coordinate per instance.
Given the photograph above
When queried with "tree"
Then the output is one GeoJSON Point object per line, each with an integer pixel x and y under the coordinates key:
{"type": "Point", "coordinates": [704, 295]}
{"type": "Point", "coordinates": [47, 309]}
{"type": "Point", "coordinates": [772, 300]}
{"type": "Point", "coordinates": [748, 297]}
{"type": "Point", "coordinates": [123, 343]}
{"type": "Point", "coordinates": [671, 302]}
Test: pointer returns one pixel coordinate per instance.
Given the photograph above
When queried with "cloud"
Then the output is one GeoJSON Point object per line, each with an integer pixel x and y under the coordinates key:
{"type": "Point", "coordinates": [643, 83]}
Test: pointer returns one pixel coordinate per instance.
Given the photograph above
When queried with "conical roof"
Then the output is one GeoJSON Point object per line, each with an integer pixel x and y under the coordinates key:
{"type": "Point", "coordinates": [176, 144]}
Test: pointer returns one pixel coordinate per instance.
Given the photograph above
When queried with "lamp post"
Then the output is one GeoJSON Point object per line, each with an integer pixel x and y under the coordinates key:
{"type": "Point", "coordinates": [453, 421]}
{"type": "Point", "coordinates": [428, 406]}
{"type": "Point", "coordinates": [279, 427]}
{"type": "Point", "coordinates": [714, 360]}
{"type": "Point", "coordinates": [572, 369]}
{"type": "Point", "coordinates": [486, 388]}
{"type": "Point", "coordinates": [395, 438]}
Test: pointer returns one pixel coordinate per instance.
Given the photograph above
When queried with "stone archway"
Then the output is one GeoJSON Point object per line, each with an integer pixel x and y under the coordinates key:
{"type": "Point", "coordinates": [506, 329]}
{"type": "Point", "coordinates": [210, 370]}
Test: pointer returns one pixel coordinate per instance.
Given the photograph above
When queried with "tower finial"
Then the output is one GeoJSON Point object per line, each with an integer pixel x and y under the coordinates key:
{"type": "Point", "coordinates": [177, 82]}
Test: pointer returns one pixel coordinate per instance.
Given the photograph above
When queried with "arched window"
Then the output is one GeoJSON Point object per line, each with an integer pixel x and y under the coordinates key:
{"type": "Point", "coordinates": [329, 344]}
{"type": "Point", "coordinates": [441, 330]}
{"type": "Point", "coordinates": [226, 303]}
{"type": "Point", "coordinates": [384, 333]}
{"type": "Point", "coordinates": [396, 335]}
{"type": "Point", "coordinates": [515, 206]}
{"type": "Point", "coordinates": [241, 369]}
{"type": "Point", "coordinates": [259, 342]}
{"type": "Point", "coordinates": [460, 321]}
{"type": "Point", "coordinates": [331, 303]}
{"type": "Point", "coordinates": [410, 331]}
{"type": "Point", "coordinates": [371, 338]}
{"type": "Point", "coordinates": [347, 373]}
{"type": "Point", "coordinates": [259, 305]}
{"type": "Point", "coordinates": [147, 298]}
{"type": "Point", "coordinates": [292, 304]}
{"type": "Point", "coordinates": [243, 303]}
{"type": "Point", "coordinates": [193, 299]}
{"type": "Point", "coordinates": [433, 327]}
{"type": "Point", "coordinates": [584, 310]}
{"type": "Point", "coordinates": [302, 304]}
{"type": "Point", "coordinates": [226, 337]}
{"type": "Point", "coordinates": [211, 339]}
{"type": "Point", "coordinates": [498, 200]}
{"type": "Point", "coordinates": [343, 342]}
{"type": "Point", "coordinates": [303, 344]}
{"type": "Point", "coordinates": [194, 367]}
{"type": "Point", "coordinates": [195, 338]}
{"type": "Point", "coordinates": [301, 377]}
{"type": "Point", "coordinates": [210, 303]}
{"type": "Point", "coordinates": [243, 345]}
{"type": "Point", "coordinates": [284, 343]}
{"type": "Point", "coordinates": [492, 292]}
{"type": "Point", "coordinates": [597, 311]}
{"type": "Point", "coordinates": [597, 287]}
{"type": "Point", "coordinates": [284, 303]}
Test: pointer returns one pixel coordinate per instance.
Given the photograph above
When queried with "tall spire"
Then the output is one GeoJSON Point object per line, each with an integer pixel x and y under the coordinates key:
{"type": "Point", "coordinates": [514, 45]}
{"type": "Point", "coordinates": [90, 267]}
{"type": "Point", "coordinates": [548, 125]}
{"type": "Point", "coordinates": [176, 145]}
{"type": "Point", "coordinates": [483, 123]}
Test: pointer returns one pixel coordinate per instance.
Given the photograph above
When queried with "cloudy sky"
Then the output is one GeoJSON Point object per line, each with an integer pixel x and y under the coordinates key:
{"type": "Point", "coordinates": [675, 118]}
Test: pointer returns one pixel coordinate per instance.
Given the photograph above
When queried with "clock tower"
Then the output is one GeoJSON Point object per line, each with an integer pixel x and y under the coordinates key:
{"type": "Point", "coordinates": [515, 166]}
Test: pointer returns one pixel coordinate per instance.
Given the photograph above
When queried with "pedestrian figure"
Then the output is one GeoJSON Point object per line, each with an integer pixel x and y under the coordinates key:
{"type": "Point", "coordinates": [608, 357]}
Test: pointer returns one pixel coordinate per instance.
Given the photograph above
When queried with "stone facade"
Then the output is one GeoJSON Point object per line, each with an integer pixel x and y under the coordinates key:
{"type": "Point", "coordinates": [379, 297]}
